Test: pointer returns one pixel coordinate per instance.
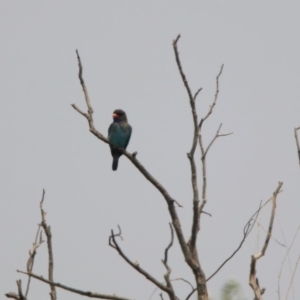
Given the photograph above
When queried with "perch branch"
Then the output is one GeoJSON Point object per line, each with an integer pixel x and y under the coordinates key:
{"type": "Point", "coordinates": [253, 280]}
{"type": "Point", "coordinates": [132, 157]}
{"type": "Point", "coordinates": [76, 291]}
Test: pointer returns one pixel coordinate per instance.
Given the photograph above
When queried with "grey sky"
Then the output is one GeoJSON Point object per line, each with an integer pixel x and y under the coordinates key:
{"type": "Point", "coordinates": [126, 50]}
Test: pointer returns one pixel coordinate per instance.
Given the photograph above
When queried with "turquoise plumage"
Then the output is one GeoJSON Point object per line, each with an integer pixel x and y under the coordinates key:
{"type": "Point", "coordinates": [119, 133]}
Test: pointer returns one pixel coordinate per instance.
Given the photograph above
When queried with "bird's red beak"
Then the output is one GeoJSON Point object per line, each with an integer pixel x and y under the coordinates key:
{"type": "Point", "coordinates": [115, 116]}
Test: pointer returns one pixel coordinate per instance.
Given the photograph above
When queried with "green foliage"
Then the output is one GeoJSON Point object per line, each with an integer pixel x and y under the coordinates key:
{"type": "Point", "coordinates": [232, 291]}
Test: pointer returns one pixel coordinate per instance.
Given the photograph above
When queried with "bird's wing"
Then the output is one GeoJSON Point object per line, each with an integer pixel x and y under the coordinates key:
{"type": "Point", "coordinates": [129, 135]}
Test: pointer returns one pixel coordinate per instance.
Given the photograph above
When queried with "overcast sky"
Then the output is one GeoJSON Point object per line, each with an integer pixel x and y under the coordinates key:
{"type": "Point", "coordinates": [126, 50]}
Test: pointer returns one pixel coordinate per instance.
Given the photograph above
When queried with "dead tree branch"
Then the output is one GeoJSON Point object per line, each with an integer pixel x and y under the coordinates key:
{"type": "Point", "coordinates": [76, 291]}
{"type": "Point", "coordinates": [165, 262]}
{"type": "Point", "coordinates": [18, 296]}
{"type": "Point", "coordinates": [113, 243]}
{"type": "Point", "coordinates": [193, 260]}
{"type": "Point", "coordinates": [192, 100]}
{"type": "Point", "coordinates": [253, 280]}
{"type": "Point", "coordinates": [48, 233]}
{"type": "Point", "coordinates": [202, 150]}
{"type": "Point", "coordinates": [297, 142]}
{"type": "Point", "coordinates": [32, 253]}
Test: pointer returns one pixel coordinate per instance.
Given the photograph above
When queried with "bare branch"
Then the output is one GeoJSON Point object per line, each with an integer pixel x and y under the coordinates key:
{"type": "Point", "coordinates": [113, 243]}
{"type": "Point", "coordinates": [87, 99]}
{"type": "Point", "coordinates": [18, 296]}
{"type": "Point", "coordinates": [215, 99]}
{"type": "Point", "coordinates": [195, 226]}
{"type": "Point", "coordinates": [170, 245]}
{"type": "Point", "coordinates": [165, 262]}
{"type": "Point", "coordinates": [253, 280]}
{"type": "Point", "coordinates": [192, 258]}
{"type": "Point", "coordinates": [297, 142]}
{"type": "Point", "coordinates": [215, 137]}
{"type": "Point", "coordinates": [76, 291]}
{"type": "Point", "coordinates": [190, 294]}
{"type": "Point", "coordinates": [49, 246]}
{"type": "Point", "coordinates": [266, 231]}
{"type": "Point", "coordinates": [247, 229]}
{"type": "Point", "coordinates": [32, 253]}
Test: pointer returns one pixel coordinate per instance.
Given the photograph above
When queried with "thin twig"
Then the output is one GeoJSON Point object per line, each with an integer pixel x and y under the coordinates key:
{"type": "Point", "coordinates": [76, 291]}
{"type": "Point", "coordinates": [266, 231]}
{"type": "Point", "coordinates": [215, 137]}
{"type": "Point", "coordinates": [32, 253]}
{"type": "Point", "coordinates": [247, 229]}
{"type": "Point", "coordinates": [202, 150]}
{"type": "Point", "coordinates": [292, 279]}
{"type": "Point", "coordinates": [215, 99]}
{"type": "Point", "coordinates": [184, 280]}
{"type": "Point", "coordinates": [283, 261]}
{"type": "Point", "coordinates": [190, 294]}
{"type": "Point", "coordinates": [48, 233]}
{"type": "Point", "coordinates": [165, 262]}
{"type": "Point", "coordinates": [297, 142]}
{"type": "Point", "coordinates": [113, 243]}
{"type": "Point", "coordinates": [253, 280]}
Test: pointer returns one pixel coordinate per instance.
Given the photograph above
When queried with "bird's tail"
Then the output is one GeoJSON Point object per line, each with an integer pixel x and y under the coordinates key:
{"type": "Point", "coordinates": [115, 163]}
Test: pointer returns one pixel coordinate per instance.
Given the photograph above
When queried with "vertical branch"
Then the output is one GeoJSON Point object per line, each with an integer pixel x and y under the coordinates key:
{"type": "Point", "coordinates": [253, 280]}
{"type": "Point", "coordinates": [192, 99]}
{"type": "Point", "coordinates": [297, 142]}
{"type": "Point", "coordinates": [202, 150]}
{"type": "Point", "coordinates": [50, 251]}
{"type": "Point", "coordinates": [165, 262]}
{"type": "Point", "coordinates": [192, 258]}
{"type": "Point", "coordinates": [32, 254]}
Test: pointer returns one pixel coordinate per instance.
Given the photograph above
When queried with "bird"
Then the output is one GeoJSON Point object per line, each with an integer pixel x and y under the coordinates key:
{"type": "Point", "coordinates": [119, 133]}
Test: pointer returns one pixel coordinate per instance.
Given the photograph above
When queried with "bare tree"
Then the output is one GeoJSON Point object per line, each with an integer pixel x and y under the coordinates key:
{"type": "Point", "coordinates": [188, 243]}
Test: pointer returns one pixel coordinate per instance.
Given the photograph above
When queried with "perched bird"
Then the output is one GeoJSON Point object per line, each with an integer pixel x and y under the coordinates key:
{"type": "Point", "coordinates": [119, 133]}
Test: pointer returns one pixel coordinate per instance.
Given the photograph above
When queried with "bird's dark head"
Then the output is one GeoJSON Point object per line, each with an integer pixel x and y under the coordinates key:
{"type": "Point", "coordinates": [119, 115]}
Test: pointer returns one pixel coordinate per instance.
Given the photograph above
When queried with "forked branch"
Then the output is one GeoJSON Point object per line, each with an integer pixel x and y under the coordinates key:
{"type": "Point", "coordinates": [113, 243]}
{"type": "Point", "coordinates": [253, 280]}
